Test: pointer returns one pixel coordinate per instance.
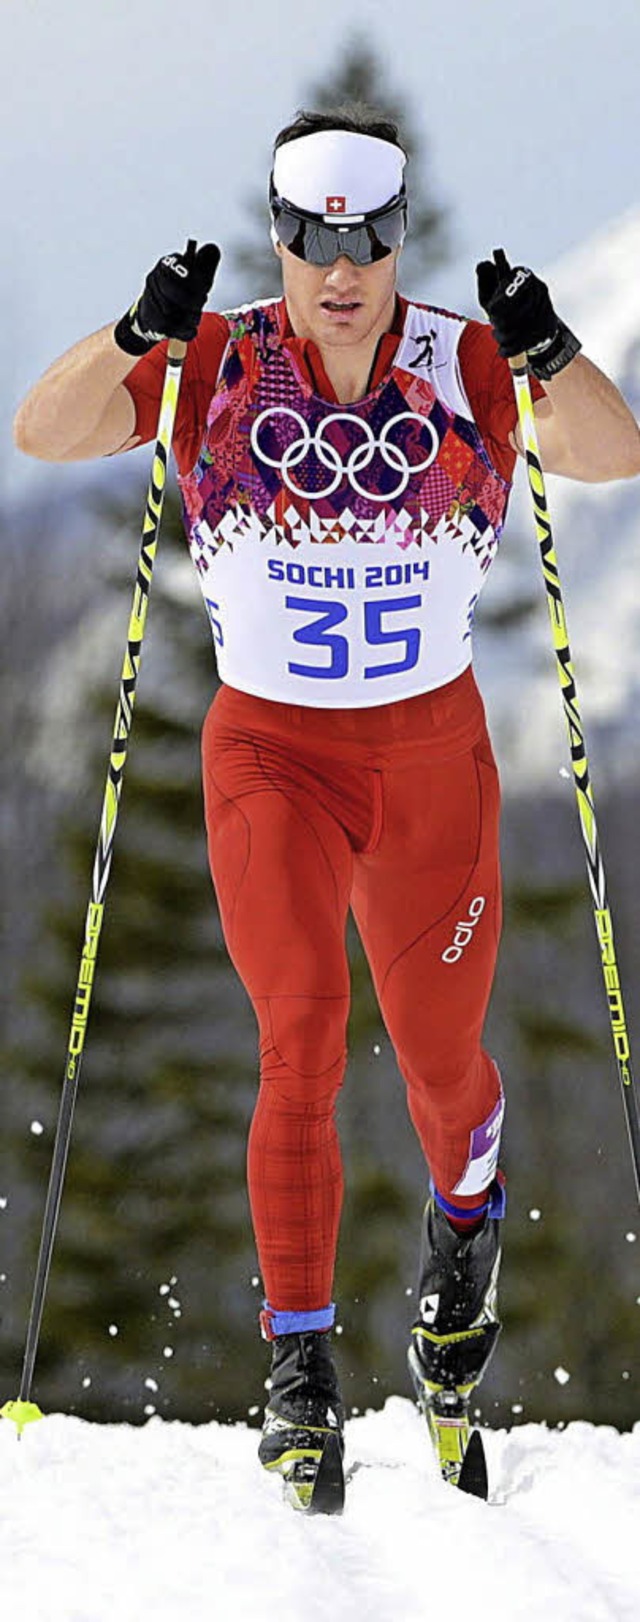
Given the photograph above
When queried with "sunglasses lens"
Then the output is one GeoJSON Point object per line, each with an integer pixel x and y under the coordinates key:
{"type": "Point", "coordinates": [320, 244]}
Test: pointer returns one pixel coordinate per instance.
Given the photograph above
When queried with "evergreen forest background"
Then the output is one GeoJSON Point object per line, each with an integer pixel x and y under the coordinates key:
{"type": "Point", "coordinates": [154, 1290]}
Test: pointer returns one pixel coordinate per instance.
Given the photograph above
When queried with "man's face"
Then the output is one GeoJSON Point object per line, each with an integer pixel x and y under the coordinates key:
{"type": "Point", "coordinates": [340, 304]}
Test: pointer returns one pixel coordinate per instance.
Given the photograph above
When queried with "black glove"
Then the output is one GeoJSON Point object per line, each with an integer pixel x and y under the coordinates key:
{"type": "Point", "coordinates": [172, 299]}
{"type": "Point", "coordinates": [524, 321]}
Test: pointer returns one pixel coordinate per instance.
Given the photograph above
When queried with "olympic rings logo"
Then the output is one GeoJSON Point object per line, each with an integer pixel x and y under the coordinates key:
{"type": "Point", "coordinates": [358, 459]}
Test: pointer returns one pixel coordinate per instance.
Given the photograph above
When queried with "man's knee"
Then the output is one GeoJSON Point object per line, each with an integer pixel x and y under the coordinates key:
{"type": "Point", "coordinates": [303, 1037]}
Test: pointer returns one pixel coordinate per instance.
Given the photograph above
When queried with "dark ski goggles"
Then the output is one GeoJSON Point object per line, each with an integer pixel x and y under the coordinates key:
{"type": "Point", "coordinates": [320, 239]}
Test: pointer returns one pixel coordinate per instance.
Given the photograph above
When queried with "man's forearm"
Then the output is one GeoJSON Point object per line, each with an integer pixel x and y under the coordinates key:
{"type": "Point", "coordinates": [585, 429]}
{"type": "Point", "coordinates": [601, 435]}
{"type": "Point", "coordinates": [69, 401]}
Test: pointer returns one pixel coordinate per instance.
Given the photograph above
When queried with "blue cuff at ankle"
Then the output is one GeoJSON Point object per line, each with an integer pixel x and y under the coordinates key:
{"type": "Point", "coordinates": [295, 1323]}
{"type": "Point", "coordinates": [493, 1206]}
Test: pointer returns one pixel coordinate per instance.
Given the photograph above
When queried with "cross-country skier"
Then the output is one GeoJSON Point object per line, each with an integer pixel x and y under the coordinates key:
{"type": "Point", "coordinates": [345, 457]}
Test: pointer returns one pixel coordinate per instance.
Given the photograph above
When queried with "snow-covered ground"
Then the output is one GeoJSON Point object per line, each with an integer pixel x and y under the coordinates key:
{"type": "Point", "coordinates": [179, 1524]}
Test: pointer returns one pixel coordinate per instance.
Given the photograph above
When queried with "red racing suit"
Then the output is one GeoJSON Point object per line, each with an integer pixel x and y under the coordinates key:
{"type": "Point", "coordinates": [390, 808]}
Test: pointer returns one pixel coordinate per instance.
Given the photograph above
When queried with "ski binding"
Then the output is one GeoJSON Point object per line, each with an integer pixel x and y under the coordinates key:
{"type": "Point", "coordinates": [314, 1478]}
{"type": "Point", "coordinates": [459, 1449]}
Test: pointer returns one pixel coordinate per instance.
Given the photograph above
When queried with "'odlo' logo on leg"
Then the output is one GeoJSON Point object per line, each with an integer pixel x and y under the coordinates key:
{"type": "Point", "coordinates": [464, 930]}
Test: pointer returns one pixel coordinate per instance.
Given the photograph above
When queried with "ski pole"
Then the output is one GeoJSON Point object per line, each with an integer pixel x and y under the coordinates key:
{"type": "Point", "coordinates": [580, 764]}
{"type": "Point", "coordinates": [23, 1410]}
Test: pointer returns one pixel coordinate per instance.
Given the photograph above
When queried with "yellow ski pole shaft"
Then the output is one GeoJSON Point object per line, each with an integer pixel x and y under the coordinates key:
{"type": "Point", "coordinates": [22, 1410]}
{"type": "Point", "coordinates": [579, 761]}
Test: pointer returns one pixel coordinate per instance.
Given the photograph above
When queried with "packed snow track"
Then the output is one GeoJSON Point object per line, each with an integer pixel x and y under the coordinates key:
{"type": "Point", "coordinates": [176, 1521]}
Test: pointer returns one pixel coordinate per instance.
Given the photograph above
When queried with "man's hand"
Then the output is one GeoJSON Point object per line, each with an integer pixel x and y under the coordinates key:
{"type": "Point", "coordinates": [524, 321]}
{"type": "Point", "coordinates": [172, 300]}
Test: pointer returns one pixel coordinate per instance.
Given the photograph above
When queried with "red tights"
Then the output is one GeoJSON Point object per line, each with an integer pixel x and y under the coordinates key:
{"type": "Point", "coordinates": [392, 811]}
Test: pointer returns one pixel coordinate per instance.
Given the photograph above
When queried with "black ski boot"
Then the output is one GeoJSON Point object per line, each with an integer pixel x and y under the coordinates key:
{"type": "Point", "coordinates": [453, 1338]}
{"type": "Point", "coordinates": [303, 1431]}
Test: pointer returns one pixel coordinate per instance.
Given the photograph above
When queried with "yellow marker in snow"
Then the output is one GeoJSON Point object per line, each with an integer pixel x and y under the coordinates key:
{"type": "Point", "coordinates": [22, 1413]}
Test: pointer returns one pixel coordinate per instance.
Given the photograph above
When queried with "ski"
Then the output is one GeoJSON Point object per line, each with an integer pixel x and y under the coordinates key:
{"type": "Point", "coordinates": [458, 1448]}
{"type": "Point", "coordinates": [474, 1476]}
{"type": "Point", "coordinates": [314, 1479]}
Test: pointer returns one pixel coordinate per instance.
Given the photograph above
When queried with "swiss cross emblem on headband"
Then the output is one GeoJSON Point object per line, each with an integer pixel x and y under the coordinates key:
{"type": "Point", "coordinates": [336, 205]}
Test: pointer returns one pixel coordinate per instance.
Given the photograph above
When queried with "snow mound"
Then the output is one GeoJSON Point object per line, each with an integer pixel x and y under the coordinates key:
{"type": "Point", "coordinates": [117, 1524]}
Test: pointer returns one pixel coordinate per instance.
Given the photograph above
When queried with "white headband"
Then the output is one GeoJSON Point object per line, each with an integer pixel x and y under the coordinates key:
{"type": "Point", "coordinates": [336, 172]}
